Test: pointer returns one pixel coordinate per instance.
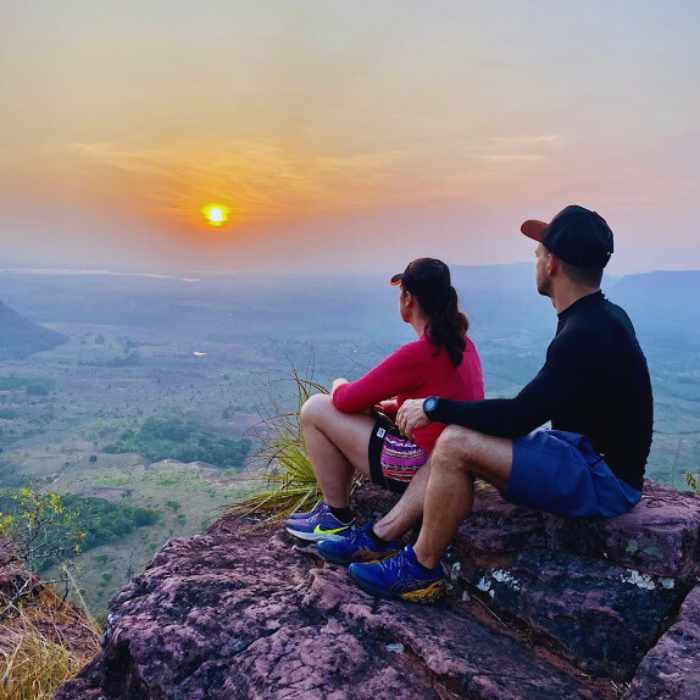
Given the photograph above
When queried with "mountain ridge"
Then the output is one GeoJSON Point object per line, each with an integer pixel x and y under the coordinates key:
{"type": "Point", "coordinates": [21, 337]}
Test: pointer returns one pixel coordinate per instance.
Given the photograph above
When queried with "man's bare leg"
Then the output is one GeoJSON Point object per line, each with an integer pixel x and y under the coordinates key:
{"type": "Point", "coordinates": [407, 511]}
{"type": "Point", "coordinates": [336, 444]}
{"type": "Point", "coordinates": [459, 455]}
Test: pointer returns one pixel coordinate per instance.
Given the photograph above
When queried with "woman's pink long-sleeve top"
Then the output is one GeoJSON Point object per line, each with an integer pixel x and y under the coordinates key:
{"type": "Point", "coordinates": [414, 371]}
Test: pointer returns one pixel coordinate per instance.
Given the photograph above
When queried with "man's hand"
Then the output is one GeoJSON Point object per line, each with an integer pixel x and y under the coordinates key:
{"type": "Point", "coordinates": [411, 416]}
{"type": "Point", "coordinates": [336, 383]}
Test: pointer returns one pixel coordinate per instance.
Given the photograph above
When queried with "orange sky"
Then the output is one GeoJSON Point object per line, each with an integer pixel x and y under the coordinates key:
{"type": "Point", "coordinates": [350, 135]}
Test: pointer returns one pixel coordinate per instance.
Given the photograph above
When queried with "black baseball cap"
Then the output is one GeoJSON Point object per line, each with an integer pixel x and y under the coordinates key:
{"type": "Point", "coordinates": [424, 277]}
{"type": "Point", "coordinates": [577, 235]}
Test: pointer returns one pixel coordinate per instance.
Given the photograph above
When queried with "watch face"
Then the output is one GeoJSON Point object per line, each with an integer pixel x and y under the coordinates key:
{"type": "Point", "coordinates": [430, 404]}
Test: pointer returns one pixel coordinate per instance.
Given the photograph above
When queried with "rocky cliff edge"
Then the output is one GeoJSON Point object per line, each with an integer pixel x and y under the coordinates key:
{"type": "Point", "coordinates": [540, 607]}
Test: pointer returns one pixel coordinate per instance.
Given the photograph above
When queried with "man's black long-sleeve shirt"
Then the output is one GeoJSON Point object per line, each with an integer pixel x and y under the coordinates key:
{"type": "Point", "coordinates": [595, 382]}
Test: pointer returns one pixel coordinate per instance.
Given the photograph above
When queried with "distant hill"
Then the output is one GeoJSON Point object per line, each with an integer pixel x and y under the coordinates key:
{"type": "Point", "coordinates": [20, 337]}
{"type": "Point", "coordinates": [662, 302]}
{"type": "Point", "coordinates": [672, 294]}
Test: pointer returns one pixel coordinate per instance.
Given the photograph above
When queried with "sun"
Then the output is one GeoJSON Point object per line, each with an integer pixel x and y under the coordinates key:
{"type": "Point", "coordinates": [215, 214]}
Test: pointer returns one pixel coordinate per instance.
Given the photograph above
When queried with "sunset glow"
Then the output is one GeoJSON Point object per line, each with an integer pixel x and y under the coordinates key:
{"type": "Point", "coordinates": [216, 214]}
{"type": "Point", "coordinates": [362, 138]}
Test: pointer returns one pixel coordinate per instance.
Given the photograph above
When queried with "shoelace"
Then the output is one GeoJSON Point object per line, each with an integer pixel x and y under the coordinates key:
{"type": "Point", "coordinates": [322, 510]}
{"type": "Point", "coordinates": [396, 566]}
{"type": "Point", "coordinates": [360, 535]}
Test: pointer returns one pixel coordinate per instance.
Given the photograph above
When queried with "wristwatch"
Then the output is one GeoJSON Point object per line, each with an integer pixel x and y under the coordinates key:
{"type": "Point", "coordinates": [429, 405]}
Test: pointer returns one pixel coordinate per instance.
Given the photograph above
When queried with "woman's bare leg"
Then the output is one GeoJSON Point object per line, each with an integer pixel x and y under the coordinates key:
{"type": "Point", "coordinates": [336, 444]}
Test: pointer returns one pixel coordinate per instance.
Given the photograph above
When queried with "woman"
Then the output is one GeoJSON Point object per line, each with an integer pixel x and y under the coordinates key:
{"type": "Point", "coordinates": [352, 429]}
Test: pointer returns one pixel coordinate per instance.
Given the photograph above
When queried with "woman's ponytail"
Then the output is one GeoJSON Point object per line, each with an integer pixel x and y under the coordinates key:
{"type": "Point", "coordinates": [428, 279]}
{"type": "Point", "coordinates": [447, 327]}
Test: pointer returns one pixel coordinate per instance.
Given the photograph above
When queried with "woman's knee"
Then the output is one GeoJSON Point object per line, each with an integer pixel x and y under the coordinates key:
{"type": "Point", "coordinates": [315, 407]}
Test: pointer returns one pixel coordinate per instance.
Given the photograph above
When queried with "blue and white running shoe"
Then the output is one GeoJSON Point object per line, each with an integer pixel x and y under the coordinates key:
{"type": "Point", "coordinates": [307, 514]}
{"type": "Point", "coordinates": [321, 525]}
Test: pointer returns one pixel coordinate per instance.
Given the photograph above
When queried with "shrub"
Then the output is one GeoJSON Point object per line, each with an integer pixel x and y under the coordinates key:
{"type": "Point", "coordinates": [175, 438]}
{"type": "Point", "coordinates": [49, 528]}
{"type": "Point", "coordinates": [40, 525]}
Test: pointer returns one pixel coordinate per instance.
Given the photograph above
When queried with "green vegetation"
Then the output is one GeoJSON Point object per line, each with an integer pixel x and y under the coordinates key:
{"type": "Point", "coordinates": [34, 386]}
{"type": "Point", "coordinates": [176, 438]}
{"type": "Point", "coordinates": [49, 528]}
{"type": "Point", "coordinates": [43, 530]}
{"type": "Point", "coordinates": [104, 521]}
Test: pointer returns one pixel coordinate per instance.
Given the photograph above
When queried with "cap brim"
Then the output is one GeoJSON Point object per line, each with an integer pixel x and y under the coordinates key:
{"type": "Point", "coordinates": [534, 229]}
{"type": "Point", "coordinates": [396, 279]}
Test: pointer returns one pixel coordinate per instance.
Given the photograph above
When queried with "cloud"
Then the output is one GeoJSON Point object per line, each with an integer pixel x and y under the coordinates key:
{"type": "Point", "coordinates": [549, 139]}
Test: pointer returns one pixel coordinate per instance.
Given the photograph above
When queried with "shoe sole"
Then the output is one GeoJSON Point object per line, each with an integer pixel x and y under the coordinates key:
{"type": "Point", "coordinates": [312, 536]}
{"type": "Point", "coordinates": [430, 594]}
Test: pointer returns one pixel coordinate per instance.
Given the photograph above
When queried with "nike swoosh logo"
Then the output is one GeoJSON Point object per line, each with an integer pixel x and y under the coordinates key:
{"type": "Point", "coordinates": [319, 531]}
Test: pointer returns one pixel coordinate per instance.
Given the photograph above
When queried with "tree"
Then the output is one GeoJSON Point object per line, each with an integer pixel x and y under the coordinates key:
{"type": "Point", "coordinates": [33, 521]}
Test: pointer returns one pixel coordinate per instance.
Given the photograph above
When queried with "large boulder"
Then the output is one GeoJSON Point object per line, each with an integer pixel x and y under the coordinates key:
{"type": "Point", "coordinates": [661, 535]}
{"type": "Point", "coordinates": [601, 616]}
{"type": "Point", "coordinates": [243, 612]}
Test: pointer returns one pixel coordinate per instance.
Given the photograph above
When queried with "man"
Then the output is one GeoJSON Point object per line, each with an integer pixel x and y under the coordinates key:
{"type": "Point", "coordinates": [594, 388]}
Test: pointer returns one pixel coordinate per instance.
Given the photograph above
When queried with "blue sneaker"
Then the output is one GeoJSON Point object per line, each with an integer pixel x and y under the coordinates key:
{"type": "Point", "coordinates": [400, 576]}
{"type": "Point", "coordinates": [307, 514]}
{"type": "Point", "coordinates": [357, 545]}
{"type": "Point", "coordinates": [319, 526]}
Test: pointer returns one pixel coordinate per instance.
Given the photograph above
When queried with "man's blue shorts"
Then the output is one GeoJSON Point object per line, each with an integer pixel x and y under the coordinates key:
{"type": "Point", "coordinates": [560, 472]}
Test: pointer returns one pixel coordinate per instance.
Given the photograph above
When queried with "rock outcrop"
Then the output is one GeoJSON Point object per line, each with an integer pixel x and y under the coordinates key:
{"type": "Point", "coordinates": [540, 607]}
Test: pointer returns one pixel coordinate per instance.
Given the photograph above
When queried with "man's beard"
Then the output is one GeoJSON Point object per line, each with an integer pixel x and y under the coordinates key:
{"type": "Point", "coordinates": [544, 288]}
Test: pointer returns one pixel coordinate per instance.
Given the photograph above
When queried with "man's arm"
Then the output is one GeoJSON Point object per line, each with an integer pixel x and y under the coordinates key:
{"type": "Point", "coordinates": [557, 382]}
{"type": "Point", "coordinates": [510, 418]}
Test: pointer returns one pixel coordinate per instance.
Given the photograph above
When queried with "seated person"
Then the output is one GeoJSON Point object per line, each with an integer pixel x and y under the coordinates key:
{"type": "Point", "coordinates": [594, 388]}
{"type": "Point", "coordinates": [342, 436]}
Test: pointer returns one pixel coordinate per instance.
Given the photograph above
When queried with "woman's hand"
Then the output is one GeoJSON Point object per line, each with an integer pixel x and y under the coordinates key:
{"type": "Point", "coordinates": [411, 416]}
{"type": "Point", "coordinates": [388, 407]}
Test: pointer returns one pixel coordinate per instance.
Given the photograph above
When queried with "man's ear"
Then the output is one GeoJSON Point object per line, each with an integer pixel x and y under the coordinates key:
{"type": "Point", "coordinates": [553, 265]}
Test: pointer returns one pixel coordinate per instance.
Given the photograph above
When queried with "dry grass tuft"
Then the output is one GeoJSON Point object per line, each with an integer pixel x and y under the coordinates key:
{"type": "Point", "coordinates": [290, 483]}
{"type": "Point", "coordinates": [44, 643]}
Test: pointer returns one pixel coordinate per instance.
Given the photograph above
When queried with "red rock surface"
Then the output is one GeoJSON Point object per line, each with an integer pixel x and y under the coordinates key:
{"type": "Point", "coordinates": [671, 670]}
{"type": "Point", "coordinates": [244, 613]}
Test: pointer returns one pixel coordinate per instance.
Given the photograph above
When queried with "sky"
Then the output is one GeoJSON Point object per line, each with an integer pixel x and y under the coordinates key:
{"type": "Point", "coordinates": [343, 136]}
